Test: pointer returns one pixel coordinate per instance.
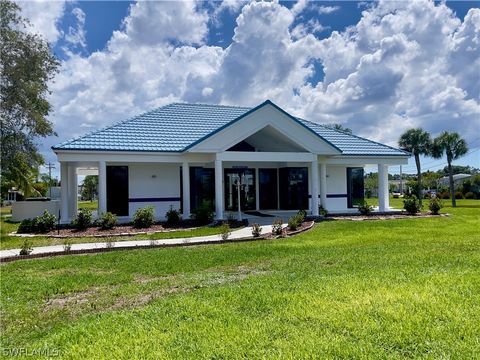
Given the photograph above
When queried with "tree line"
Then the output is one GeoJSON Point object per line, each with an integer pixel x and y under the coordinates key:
{"type": "Point", "coordinates": [419, 142]}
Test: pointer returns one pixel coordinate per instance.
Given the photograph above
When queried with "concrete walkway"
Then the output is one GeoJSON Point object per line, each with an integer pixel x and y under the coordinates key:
{"type": "Point", "coordinates": [243, 233]}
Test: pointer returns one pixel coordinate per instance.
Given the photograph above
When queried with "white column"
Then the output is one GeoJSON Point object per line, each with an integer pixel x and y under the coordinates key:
{"type": "Point", "coordinates": [63, 193]}
{"type": "Point", "coordinates": [257, 189]}
{"type": "Point", "coordinates": [218, 189]}
{"type": "Point", "coordinates": [72, 191]}
{"type": "Point", "coordinates": [383, 200]}
{"type": "Point", "coordinates": [186, 190]}
{"type": "Point", "coordinates": [323, 185]}
{"type": "Point", "coordinates": [102, 187]}
{"type": "Point", "coordinates": [314, 170]}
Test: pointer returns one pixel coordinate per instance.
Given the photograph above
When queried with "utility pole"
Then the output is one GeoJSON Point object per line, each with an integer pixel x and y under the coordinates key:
{"type": "Point", "coordinates": [50, 166]}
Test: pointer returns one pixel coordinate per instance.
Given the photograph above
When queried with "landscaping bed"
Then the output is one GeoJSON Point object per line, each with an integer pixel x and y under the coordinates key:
{"type": "Point", "coordinates": [119, 230]}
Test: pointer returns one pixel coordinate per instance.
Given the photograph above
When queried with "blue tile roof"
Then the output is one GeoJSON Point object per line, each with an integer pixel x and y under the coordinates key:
{"type": "Point", "coordinates": [176, 127]}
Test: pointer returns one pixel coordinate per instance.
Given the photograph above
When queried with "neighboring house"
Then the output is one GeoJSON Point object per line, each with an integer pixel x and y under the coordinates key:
{"type": "Point", "coordinates": [181, 155]}
{"type": "Point", "coordinates": [458, 180]}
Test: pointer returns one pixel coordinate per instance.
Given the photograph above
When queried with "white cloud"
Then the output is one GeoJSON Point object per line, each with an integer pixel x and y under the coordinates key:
{"type": "Point", "coordinates": [43, 16]}
{"type": "Point", "coordinates": [326, 9]}
{"type": "Point", "coordinates": [76, 35]}
{"type": "Point", "coordinates": [403, 64]}
{"type": "Point", "coordinates": [153, 22]}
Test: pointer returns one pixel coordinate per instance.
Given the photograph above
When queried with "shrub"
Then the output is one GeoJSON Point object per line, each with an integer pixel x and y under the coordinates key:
{"type": "Point", "coordinates": [412, 205]}
{"type": "Point", "coordinates": [203, 214]}
{"type": "Point", "coordinates": [27, 226]}
{"type": "Point", "coordinates": [26, 248]}
{"type": "Point", "coordinates": [365, 209]}
{"type": "Point", "coordinates": [322, 211]}
{"type": "Point", "coordinates": [83, 219]}
{"type": "Point", "coordinates": [444, 195]}
{"type": "Point", "coordinates": [302, 215]}
{"type": "Point", "coordinates": [45, 222]}
{"type": "Point", "coordinates": [277, 227]}
{"type": "Point", "coordinates": [256, 230]}
{"type": "Point", "coordinates": [67, 245]}
{"type": "Point", "coordinates": [294, 222]}
{"type": "Point", "coordinates": [435, 205]}
{"type": "Point", "coordinates": [469, 195]}
{"type": "Point", "coordinates": [108, 221]}
{"type": "Point", "coordinates": [458, 195]}
{"type": "Point", "coordinates": [225, 231]}
{"type": "Point", "coordinates": [144, 217]}
{"type": "Point", "coordinates": [173, 217]}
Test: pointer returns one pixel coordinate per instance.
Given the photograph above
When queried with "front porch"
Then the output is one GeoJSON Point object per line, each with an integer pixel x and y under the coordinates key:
{"type": "Point", "coordinates": [274, 183]}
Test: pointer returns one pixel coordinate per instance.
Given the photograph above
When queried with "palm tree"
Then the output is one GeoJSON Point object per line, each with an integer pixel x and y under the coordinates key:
{"type": "Point", "coordinates": [418, 142]}
{"type": "Point", "coordinates": [452, 145]}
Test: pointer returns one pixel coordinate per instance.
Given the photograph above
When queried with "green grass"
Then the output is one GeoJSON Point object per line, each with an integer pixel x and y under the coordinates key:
{"type": "Point", "coordinates": [13, 242]}
{"type": "Point", "coordinates": [397, 289]}
{"type": "Point", "coordinates": [92, 205]}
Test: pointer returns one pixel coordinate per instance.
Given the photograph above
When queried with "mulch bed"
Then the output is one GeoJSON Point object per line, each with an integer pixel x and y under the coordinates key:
{"type": "Point", "coordinates": [306, 225]}
{"type": "Point", "coordinates": [120, 230]}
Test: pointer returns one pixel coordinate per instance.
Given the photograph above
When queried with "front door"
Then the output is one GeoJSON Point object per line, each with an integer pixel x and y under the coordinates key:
{"type": "Point", "coordinates": [246, 177]}
{"type": "Point", "coordinates": [355, 187]}
{"type": "Point", "coordinates": [268, 189]}
{"type": "Point", "coordinates": [117, 190]}
{"type": "Point", "coordinates": [293, 188]}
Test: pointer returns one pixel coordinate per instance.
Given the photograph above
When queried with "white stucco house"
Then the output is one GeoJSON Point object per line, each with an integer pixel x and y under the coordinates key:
{"type": "Point", "coordinates": [181, 155]}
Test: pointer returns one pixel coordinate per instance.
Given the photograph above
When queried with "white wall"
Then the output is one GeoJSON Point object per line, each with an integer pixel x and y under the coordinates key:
{"type": "Point", "coordinates": [336, 184]}
{"type": "Point", "coordinates": [30, 209]}
{"type": "Point", "coordinates": [154, 180]}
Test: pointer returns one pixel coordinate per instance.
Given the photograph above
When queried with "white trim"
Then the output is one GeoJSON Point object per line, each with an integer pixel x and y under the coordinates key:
{"type": "Point", "coordinates": [383, 195]}
{"type": "Point", "coordinates": [219, 201]}
{"type": "Point", "coordinates": [102, 187]}
{"type": "Point", "coordinates": [315, 180]}
{"type": "Point", "coordinates": [363, 160]}
{"type": "Point", "coordinates": [186, 190]}
{"type": "Point", "coordinates": [126, 156]}
{"type": "Point", "coordinates": [266, 156]}
{"type": "Point", "coordinates": [255, 121]}
{"type": "Point", "coordinates": [64, 192]}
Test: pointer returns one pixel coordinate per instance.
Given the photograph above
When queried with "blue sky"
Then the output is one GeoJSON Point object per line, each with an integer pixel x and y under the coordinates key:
{"type": "Point", "coordinates": [356, 63]}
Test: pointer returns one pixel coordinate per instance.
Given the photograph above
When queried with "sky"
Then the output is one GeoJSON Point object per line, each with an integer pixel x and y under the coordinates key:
{"type": "Point", "coordinates": [378, 68]}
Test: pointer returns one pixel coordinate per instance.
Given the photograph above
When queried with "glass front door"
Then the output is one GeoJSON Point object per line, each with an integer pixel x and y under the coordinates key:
{"type": "Point", "coordinates": [246, 178]}
{"type": "Point", "coordinates": [293, 188]}
{"type": "Point", "coordinates": [355, 187]}
{"type": "Point", "coordinates": [267, 187]}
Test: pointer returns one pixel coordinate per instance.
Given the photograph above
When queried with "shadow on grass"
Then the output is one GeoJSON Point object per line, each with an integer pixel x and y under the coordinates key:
{"type": "Point", "coordinates": [467, 206]}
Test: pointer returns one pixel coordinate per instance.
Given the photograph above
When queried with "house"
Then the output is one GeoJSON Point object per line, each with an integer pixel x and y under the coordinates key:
{"type": "Point", "coordinates": [458, 180]}
{"type": "Point", "coordinates": [182, 155]}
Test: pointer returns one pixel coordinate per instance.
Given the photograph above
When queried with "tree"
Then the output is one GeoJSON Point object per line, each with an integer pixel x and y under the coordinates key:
{"type": "Point", "coordinates": [89, 187]}
{"type": "Point", "coordinates": [459, 169]}
{"type": "Point", "coordinates": [371, 184]}
{"type": "Point", "coordinates": [27, 65]}
{"type": "Point", "coordinates": [418, 142]}
{"type": "Point", "coordinates": [431, 179]}
{"type": "Point", "coordinates": [340, 127]}
{"type": "Point", "coordinates": [454, 147]}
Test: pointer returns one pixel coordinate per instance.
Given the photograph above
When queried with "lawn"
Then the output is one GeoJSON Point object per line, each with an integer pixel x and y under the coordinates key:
{"type": "Point", "coordinates": [12, 242]}
{"type": "Point", "coordinates": [406, 288]}
{"type": "Point", "coordinates": [91, 205]}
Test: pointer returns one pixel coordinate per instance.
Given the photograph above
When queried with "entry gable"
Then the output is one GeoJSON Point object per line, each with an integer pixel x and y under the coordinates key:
{"type": "Point", "coordinates": [267, 119]}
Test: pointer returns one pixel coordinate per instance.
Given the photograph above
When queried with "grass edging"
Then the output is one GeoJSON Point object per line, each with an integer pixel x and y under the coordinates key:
{"type": "Point", "coordinates": [266, 236]}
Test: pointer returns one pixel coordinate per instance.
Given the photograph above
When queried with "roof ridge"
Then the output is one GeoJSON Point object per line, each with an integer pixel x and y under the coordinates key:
{"type": "Point", "coordinates": [212, 105]}
{"type": "Point", "coordinates": [355, 136]}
